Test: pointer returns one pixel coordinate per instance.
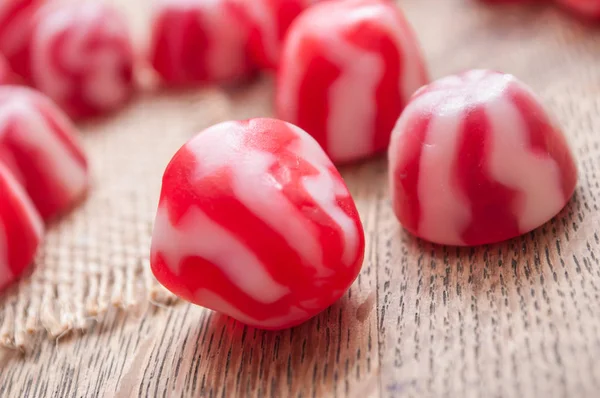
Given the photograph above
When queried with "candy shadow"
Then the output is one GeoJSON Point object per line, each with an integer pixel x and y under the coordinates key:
{"type": "Point", "coordinates": [504, 268]}
{"type": "Point", "coordinates": [367, 180]}
{"type": "Point", "coordinates": [236, 360]}
{"type": "Point", "coordinates": [254, 99]}
{"type": "Point", "coordinates": [209, 103]}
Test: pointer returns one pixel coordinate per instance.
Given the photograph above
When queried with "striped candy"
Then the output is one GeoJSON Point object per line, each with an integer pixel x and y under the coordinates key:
{"type": "Point", "coordinates": [268, 22]}
{"type": "Point", "coordinates": [38, 144]}
{"type": "Point", "coordinates": [21, 229]}
{"type": "Point", "coordinates": [82, 57]}
{"type": "Point", "coordinates": [255, 222]}
{"type": "Point", "coordinates": [347, 70]}
{"type": "Point", "coordinates": [197, 41]}
{"type": "Point", "coordinates": [16, 18]}
{"type": "Point", "coordinates": [475, 159]}
{"type": "Point", "coordinates": [586, 8]}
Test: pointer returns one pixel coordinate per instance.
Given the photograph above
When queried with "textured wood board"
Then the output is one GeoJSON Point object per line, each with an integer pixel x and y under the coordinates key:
{"type": "Point", "coordinates": [517, 319]}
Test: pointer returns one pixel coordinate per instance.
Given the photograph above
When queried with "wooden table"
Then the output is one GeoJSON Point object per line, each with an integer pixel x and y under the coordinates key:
{"type": "Point", "coordinates": [517, 319]}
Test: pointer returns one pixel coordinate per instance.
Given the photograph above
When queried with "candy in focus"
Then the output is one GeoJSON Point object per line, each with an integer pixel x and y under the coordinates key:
{"type": "Point", "coordinates": [475, 159]}
{"type": "Point", "coordinates": [255, 222]}
{"type": "Point", "coordinates": [81, 56]}
{"type": "Point", "coordinates": [38, 144]}
{"type": "Point", "coordinates": [347, 70]}
{"type": "Point", "coordinates": [21, 229]}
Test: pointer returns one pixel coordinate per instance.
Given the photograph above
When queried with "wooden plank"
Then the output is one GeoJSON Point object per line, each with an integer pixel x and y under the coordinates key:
{"type": "Point", "coordinates": [516, 319]}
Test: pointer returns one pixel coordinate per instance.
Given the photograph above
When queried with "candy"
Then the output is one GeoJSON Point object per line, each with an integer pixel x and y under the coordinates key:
{"type": "Point", "coordinates": [268, 22]}
{"type": "Point", "coordinates": [15, 28]}
{"type": "Point", "coordinates": [38, 145]}
{"type": "Point", "coordinates": [5, 72]}
{"type": "Point", "coordinates": [21, 229]}
{"type": "Point", "coordinates": [586, 8]}
{"type": "Point", "coordinates": [82, 57]}
{"type": "Point", "coordinates": [475, 159]}
{"type": "Point", "coordinates": [197, 41]}
{"type": "Point", "coordinates": [255, 222]}
{"type": "Point", "coordinates": [506, 1]}
{"type": "Point", "coordinates": [347, 70]}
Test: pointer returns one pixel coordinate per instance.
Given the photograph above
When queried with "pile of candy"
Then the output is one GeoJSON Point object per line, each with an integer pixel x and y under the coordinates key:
{"type": "Point", "coordinates": [254, 220]}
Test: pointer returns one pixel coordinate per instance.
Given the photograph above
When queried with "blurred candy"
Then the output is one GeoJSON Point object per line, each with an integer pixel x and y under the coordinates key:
{"type": "Point", "coordinates": [347, 70]}
{"type": "Point", "coordinates": [475, 159]}
{"type": "Point", "coordinates": [37, 143]}
{"type": "Point", "coordinates": [15, 29]}
{"type": "Point", "coordinates": [199, 41]}
{"type": "Point", "coordinates": [255, 222]}
{"type": "Point", "coordinates": [586, 8]}
{"type": "Point", "coordinates": [507, 1]}
{"type": "Point", "coordinates": [268, 22]}
{"type": "Point", "coordinates": [5, 72]}
{"type": "Point", "coordinates": [21, 229]}
{"type": "Point", "coordinates": [82, 57]}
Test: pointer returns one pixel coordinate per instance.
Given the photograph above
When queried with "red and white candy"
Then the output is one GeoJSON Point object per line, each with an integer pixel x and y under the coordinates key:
{"type": "Point", "coordinates": [255, 222]}
{"type": "Point", "coordinates": [586, 8]}
{"type": "Point", "coordinates": [197, 41]}
{"type": "Point", "coordinates": [38, 144]}
{"type": "Point", "coordinates": [21, 229]}
{"type": "Point", "coordinates": [16, 19]}
{"type": "Point", "coordinates": [268, 22]}
{"type": "Point", "coordinates": [81, 56]}
{"type": "Point", "coordinates": [475, 159]}
{"type": "Point", "coordinates": [347, 70]}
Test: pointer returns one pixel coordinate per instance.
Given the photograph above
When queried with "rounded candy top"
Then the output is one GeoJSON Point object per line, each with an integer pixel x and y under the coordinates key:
{"type": "Point", "coordinates": [21, 229]}
{"type": "Point", "coordinates": [255, 222]}
{"type": "Point", "coordinates": [347, 70]}
{"type": "Point", "coordinates": [81, 56]}
{"type": "Point", "coordinates": [475, 159]}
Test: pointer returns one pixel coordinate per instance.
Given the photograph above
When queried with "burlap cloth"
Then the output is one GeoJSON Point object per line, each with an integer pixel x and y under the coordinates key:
{"type": "Point", "coordinates": [97, 257]}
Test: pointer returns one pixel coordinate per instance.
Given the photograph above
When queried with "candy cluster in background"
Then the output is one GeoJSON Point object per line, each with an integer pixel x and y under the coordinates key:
{"type": "Point", "coordinates": [254, 219]}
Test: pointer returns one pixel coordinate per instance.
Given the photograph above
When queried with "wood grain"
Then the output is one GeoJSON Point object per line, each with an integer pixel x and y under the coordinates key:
{"type": "Point", "coordinates": [517, 319]}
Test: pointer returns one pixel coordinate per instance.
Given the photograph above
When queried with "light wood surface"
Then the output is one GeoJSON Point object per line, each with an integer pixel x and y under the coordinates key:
{"type": "Point", "coordinates": [517, 319]}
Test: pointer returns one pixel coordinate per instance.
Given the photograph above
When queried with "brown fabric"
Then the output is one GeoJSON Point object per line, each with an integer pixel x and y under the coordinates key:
{"type": "Point", "coordinates": [97, 257]}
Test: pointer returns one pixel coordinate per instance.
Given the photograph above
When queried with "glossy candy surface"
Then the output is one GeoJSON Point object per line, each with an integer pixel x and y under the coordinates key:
{"type": "Point", "coordinates": [38, 144]}
{"type": "Point", "coordinates": [347, 70]}
{"type": "Point", "coordinates": [255, 222]}
{"type": "Point", "coordinates": [197, 41]}
{"type": "Point", "coordinates": [21, 229]}
{"type": "Point", "coordinates": [586, 8]}
{"type": "Point", "coordinates": [82, 57]}
{"type": "Point", "coordinates": [268, 22]}
{"type": "Point", "coordinates": [475, 159]}
{"type": "Point", "coordinates": [16, 19]}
